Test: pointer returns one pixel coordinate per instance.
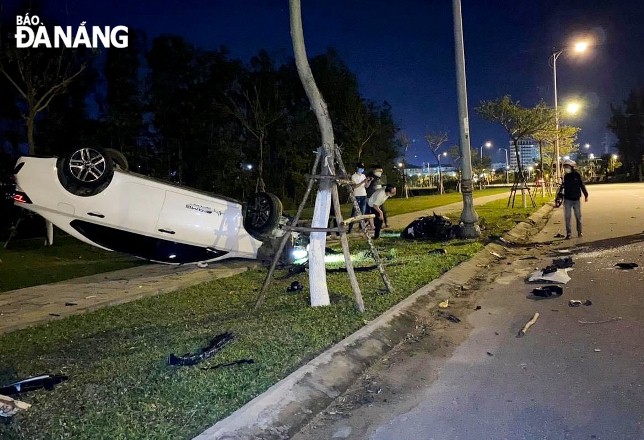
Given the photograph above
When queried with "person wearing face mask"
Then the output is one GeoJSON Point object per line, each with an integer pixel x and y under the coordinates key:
{"type": "Point", "coordinates": [359, 182]}
{"type": "Point", "coordinates": [377, 182]}
{"type": "Point", "coordinates": [571, 190]}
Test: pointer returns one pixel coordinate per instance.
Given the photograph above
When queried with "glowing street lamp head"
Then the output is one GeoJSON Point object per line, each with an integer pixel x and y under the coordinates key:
{"type": "Point", "coordinates": [488, 144]}
{"type": "Point", "coordinates": [573, 108]}
{"type": "Point", "coordinates": [581, 46]}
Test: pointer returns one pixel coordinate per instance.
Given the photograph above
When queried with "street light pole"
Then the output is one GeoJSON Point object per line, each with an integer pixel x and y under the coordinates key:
{"type": "Point", "coordinates": [554, 75]}
{"type": "Point", "coordinates": [469, 217]}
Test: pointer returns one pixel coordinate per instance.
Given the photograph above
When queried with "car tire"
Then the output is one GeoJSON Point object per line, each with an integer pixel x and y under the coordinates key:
{"type": "Point", "coordinates": [88, 167]}
{"type": "Point", "coordinates": [263, 213]}
{"type": "Point", "coordinates": [118, 159]}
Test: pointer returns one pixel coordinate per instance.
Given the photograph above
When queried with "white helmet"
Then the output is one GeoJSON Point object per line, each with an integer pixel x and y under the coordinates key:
{"type": "Point", "coordinates": [570, 163]}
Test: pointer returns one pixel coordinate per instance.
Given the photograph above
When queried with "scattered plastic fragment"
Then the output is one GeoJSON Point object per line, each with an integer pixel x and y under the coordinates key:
{"type": "Point", "coordinates": [452, 318]}
{"type": "Point", "coordinates": [497, 255]}
{"type": "Point", "coordinates": [444, 304]}
{"type": "Point", "coordinates": [547, 291]}
{"type": "Point", "coordinates": [626, 266]}
{"type": "Point", "coordinates": [559, 276]}
{"type": "Point", "coordinates": [577, 303]}
{"type": "Point", "coordinates": [489, 354]}
{"type": "Point", "coordinates": [549, 269]}
{"type": "Point", "coordinates": [216, 344]}
{"type": "Point", "coordinates": [46, 381]}
{"type": "Point", "coordinates": [601, 322]}
{"type": "Point", "coordinates": [529, 324]}
{"type": "Point", "coordinates": [202, 264]}
{"type": "Point", "coordinates": [597, 350]}
{"type": "Point", "coordinates": [563, 263]}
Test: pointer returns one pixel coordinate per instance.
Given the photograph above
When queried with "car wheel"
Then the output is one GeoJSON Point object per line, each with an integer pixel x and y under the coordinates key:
{"type": "Point", "coordinates": [88, 167]}
{"type": "Point", "coordinates": [118, 159]}
{"type": "Point", "coordinates": [263, 213]}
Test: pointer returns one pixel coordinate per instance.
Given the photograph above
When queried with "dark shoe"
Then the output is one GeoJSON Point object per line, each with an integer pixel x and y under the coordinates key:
{"type": "Point", "coordinates": [568, 237]}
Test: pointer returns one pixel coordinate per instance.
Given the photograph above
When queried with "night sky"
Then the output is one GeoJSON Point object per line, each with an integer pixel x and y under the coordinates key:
{"type": "Point", "coordinates": [402, 51]}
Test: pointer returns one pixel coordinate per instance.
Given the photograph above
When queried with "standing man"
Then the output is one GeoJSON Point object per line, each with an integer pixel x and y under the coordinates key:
{"type": "Point", "coordinates": [571, 190]}
{"type": "Point", "coordinates": [376, 201]}
{"type": "Point", "coordinates": [359, 182]}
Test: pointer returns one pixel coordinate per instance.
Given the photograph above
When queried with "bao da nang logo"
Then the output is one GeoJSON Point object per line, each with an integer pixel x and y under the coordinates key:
{"type": "Point", "coordinates": [31, 32]}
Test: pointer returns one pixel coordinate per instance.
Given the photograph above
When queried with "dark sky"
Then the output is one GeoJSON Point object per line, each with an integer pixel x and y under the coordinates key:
{"type": "Point", "coordinates": [403, 52]}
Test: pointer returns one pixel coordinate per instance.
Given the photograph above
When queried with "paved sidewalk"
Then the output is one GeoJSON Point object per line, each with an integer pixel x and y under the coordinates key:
{"type": "Point", "coordinates": [402, 220]}
{"type": "Point", "coordinates": [40, 304]}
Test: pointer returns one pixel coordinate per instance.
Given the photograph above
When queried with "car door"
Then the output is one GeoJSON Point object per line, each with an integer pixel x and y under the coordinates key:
{"type": "Point", "coordinates": [201, 221]}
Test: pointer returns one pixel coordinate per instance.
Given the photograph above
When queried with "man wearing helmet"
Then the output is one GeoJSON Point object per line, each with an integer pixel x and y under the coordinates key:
{"type": "Point", "coordinates": [571, 190]}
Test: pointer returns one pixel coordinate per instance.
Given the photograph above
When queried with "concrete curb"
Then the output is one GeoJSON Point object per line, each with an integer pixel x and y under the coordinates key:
{"type": "Point", "coordinates": [284, 408]}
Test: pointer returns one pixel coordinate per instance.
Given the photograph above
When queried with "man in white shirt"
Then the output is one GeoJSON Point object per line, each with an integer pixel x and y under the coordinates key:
{"type": "Point", "coordinates": [359, 182]}
{"type": "Point", "coordinates": [375, 203]}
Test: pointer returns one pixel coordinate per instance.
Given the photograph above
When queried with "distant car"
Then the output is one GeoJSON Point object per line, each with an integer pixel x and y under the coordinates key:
{"type": "Point", "coordinates": [90, 195]}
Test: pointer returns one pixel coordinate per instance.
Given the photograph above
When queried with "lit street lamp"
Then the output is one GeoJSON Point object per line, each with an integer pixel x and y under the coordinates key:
{"type": "Point", "coordinates": [488, 144]}
{"type": "Point", "coordinates": [579, 47]}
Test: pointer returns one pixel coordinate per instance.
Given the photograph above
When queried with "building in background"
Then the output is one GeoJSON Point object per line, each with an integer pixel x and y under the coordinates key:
{"type": "Point", "coordinates": [528, 153]}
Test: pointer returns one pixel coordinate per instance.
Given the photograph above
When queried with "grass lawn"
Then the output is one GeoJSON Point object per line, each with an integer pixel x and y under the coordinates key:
{"type": "Point", "coordinates": [29, 263]}
{"type": "Point", "coordinates": [401, 205]}
{"type": "Point", "coordinates": [120, 386]}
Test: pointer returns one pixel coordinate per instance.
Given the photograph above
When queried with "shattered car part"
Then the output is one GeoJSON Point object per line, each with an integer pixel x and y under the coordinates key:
{"type": "Point", "coordinates": [529, 324]}
{"type": "Point", "coordinates": [563, 263]}
{"type": "Point", "coordinates": [9, 407]}
{"type": "Point", "coordinates": [547, 291]}
{"type": "Point", "coordinates": [559, 276]}
{"type": "Point", "coordinates": [626, 266]}
{"type": "Point", "coordinates": [216, 344]}
{"type": "Point", "coordinates": [431, 227]}
{"type": "Point", "coordinates": [577, 303]}
{"type": "Point", "coordinates": [46, 381]}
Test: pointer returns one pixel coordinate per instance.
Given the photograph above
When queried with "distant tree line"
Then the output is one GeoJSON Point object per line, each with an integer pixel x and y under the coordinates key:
{"type": "Point", "coordinates": [192, 116]}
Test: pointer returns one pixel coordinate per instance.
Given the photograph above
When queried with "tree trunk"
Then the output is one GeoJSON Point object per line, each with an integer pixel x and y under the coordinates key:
{"type": "Point", "coordinates": [31, 121]}
{"type": "Point", "coordinates": [317, 270]}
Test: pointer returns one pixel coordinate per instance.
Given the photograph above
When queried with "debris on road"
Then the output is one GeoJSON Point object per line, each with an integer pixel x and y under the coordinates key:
{"type": "Point", "coordinates": [444, 304]}
{"type": "Point", "coordinates": [559, 276]}
{"type": "Point", "coordinates": [597, 350]}
{"type": "Point", "coordinates": [529, 324]}
{"type": "Point", "coordinates": [70, 304]}
{"type": "Point", "coordinates": [46, 381]}
{"type": "Point", "coordinates": [601, 322]}
{"type": "Point", "coordinates": [449, 317]}
{"type": "Point", "coordinates": [547, 291]}
{"type": "Point", "coordinates": [216, 344]}
{"type": "Point", "coordinates": [626, 266]}
{"type": "Point", "coordinates": [477, 308]}
{"type": "Point", "coordinates": [577, 303]}
{"type": "Point", "coordinates": [500, 257]}
{"type": "Point", "coordinates": [563, 263]}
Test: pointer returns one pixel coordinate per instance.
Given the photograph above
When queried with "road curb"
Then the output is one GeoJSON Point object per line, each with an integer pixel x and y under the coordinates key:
{"type": "Point", "coordinates": [284, 408]}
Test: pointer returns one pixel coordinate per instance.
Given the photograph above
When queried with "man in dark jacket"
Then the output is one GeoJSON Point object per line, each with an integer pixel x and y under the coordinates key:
{"type": "Point", "coordinates": [571, 190]}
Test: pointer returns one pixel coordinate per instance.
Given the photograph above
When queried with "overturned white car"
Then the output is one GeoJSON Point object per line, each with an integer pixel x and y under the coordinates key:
{"type": "Point", "coordinates": [90, 195]}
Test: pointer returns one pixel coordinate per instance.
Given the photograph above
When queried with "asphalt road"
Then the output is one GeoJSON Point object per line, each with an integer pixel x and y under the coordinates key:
{"type": "Point", "coordinates": [578, 373]}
